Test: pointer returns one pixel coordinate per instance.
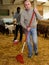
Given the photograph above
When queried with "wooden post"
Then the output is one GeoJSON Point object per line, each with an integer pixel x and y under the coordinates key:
{"type": "Point", "coordinates": [34, 3]}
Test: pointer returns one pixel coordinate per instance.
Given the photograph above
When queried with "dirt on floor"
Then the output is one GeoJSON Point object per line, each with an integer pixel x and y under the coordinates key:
{"type": "Point", "coordinates": [8, 51]}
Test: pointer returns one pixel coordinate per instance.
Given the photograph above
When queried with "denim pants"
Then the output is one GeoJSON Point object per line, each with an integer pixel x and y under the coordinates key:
{"type": "Point", "coordinates": [33, 33]}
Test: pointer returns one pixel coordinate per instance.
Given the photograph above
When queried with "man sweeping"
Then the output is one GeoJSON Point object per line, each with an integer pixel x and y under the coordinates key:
{"type": "Point", "coordinates": [32, 30]}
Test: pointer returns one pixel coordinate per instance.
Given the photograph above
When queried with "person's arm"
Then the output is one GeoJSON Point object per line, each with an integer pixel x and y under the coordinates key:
{"type": "Point", "coordinates": [15, 15]}
{"type": "Point", "coordinates": [38, 14]}
{"type": "Point", "coordinates": [22, 21]}
{"type": "Point", "coordinates": [14, 18]}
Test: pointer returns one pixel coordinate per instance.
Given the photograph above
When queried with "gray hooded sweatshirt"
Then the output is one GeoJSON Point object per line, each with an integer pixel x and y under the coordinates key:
{"type": "Point", "coordinates": [26, 17]}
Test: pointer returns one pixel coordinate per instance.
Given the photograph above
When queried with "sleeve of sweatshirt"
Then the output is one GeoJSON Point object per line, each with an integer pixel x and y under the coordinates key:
{"type": "Point", "coordinates": [15, 15]}
{"type": "Point", "coordinates": [22, 21]}
{"type": "Point", "coordinates": [39, 17]}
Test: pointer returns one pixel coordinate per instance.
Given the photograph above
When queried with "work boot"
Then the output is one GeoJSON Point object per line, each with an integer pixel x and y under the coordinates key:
{"type": "Point", "coordinates": [30, 55]}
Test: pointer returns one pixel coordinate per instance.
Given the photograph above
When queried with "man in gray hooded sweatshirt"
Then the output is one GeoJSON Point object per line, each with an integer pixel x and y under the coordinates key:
{"type": "Point", "coordinates": [32, 30]}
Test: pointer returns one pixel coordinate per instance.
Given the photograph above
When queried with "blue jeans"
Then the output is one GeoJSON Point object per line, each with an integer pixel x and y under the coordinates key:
{"type": "Point", "coordinates": [33, 33]}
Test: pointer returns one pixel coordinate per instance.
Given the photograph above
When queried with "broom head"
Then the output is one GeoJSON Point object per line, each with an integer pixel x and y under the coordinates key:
{"type": "Point", "coordinates": [19, 58]}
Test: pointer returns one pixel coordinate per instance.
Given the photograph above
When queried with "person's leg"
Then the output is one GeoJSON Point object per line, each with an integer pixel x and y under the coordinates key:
{"type": "Point", "coordinates": [29, 44]}
{"type": "Point", "coordinates": [34, 36]}
{"type": "Point", "coordinates": [21, 33]}
{"type": "Point", "coordinates": [16, 32]}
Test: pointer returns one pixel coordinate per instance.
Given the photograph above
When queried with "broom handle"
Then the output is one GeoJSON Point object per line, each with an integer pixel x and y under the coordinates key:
{"type": "Point", "coordinates": [23, 47]}
{"type": "Point", "coordinates": [27, 33]}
